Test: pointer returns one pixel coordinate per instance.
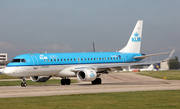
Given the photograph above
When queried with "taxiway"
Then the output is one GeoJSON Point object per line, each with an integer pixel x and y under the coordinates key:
{"type": "Point", "coordinates": [113, 82]}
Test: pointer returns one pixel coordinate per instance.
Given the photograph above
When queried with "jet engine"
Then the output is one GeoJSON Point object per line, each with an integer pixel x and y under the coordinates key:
{"type": "Point", "coordinates": [86, 75]}
{"type": "Point", "coordinates": [39, 78]}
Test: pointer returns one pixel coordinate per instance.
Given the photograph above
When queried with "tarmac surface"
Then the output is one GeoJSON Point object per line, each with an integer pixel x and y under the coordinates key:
{"type": "Point", "coordinates": [113, 82]}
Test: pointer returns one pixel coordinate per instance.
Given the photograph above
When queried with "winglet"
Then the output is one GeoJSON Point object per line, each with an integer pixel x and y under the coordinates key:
{"type": "Point", "coordinates": [170, 56]}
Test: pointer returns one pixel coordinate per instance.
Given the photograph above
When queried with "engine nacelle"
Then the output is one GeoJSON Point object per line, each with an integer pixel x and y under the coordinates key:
{"type": "Point", "coordinates": [39, 78]}
{"type": "Point", "coordinates": [86, 75]}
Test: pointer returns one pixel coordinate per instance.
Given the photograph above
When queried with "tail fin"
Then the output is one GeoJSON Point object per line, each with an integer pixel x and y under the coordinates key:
{"type": "Point", "coordinates": [150, 68]}
{"type": "Point", "coordinates": [134, 43]}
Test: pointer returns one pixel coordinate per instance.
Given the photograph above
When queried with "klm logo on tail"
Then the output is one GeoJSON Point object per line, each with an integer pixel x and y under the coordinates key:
{"type": "Point", "coordinates": [136, 38]}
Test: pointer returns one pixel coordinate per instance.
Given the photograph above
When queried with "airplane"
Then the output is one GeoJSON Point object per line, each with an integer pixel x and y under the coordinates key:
{"type": "Point", "coordinates": [40, 67]}
{"type": "Point", "coordinates": [150, 68]}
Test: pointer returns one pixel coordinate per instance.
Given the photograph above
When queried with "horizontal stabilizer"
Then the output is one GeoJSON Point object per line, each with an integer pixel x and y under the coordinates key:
{"type": "Point", "coordinates": [144, 56]}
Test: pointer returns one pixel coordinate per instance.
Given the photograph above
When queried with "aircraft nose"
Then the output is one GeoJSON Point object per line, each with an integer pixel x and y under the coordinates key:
{"type": "Point", "coordinates": [7, 71]}
{"type": "Point", "coordinates": [2, 71]}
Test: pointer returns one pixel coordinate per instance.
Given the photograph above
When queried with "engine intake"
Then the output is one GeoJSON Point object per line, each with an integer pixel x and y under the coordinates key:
{"type": "Point", "coordinates": [86, 75]}
{"type": "Point", "coordinates": [39, 78]}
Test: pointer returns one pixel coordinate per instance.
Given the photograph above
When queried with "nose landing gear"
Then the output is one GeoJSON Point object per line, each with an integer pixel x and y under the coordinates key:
{"type": "Point", "coordinates": [23, 84]}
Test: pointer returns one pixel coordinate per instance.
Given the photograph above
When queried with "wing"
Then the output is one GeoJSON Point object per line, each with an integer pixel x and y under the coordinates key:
{"type": "Point", "coordinates": [149, 55]}
{"type": "Point", "coordinates": [105, 68]}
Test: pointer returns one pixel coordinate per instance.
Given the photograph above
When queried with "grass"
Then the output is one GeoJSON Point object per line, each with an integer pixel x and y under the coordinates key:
{"type": "Point", "coordinates": [3, 76]}
{"type": "Point", "coordinates": [118, 100]}
{"type": "Point", "coordinates": [29, 82]}
{"type": "Point", "coordinates": [170, 75]}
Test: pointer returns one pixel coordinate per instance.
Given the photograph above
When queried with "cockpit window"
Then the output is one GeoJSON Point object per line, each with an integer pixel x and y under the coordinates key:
{"type": "Point", "coordinates": [15, 60]}
{"type": "Point", "coordinates": [23, 60]}
{"type": "Point", "coordinates": [18, 60]}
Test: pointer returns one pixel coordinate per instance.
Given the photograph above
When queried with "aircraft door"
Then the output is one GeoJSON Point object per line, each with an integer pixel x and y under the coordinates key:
{"type": "Point", "coordinates": [123, 57]}
{"type": "Point", "coordinates": [35, 61]}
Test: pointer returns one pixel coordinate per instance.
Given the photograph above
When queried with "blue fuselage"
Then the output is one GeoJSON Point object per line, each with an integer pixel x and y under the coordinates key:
{"type": "Point", "coordinates": [47, 59]}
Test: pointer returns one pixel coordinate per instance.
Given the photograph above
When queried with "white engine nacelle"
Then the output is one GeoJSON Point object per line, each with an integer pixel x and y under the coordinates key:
{"type": "Point", "coordinates": [39, 78]}
{"type": "Point", "coordinates": [86, 75]}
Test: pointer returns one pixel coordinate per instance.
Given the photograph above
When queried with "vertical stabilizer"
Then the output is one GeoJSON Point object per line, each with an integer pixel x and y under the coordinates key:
{"type": "Point", "coordinates": [150, 68]}
{"type": "Point", "coordinates": [134, 43]}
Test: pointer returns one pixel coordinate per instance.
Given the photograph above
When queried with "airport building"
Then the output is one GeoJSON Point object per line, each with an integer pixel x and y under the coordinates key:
{"type": "Point", "coordinates": [3, 57]}
{"type": "Point", "coordinates": [3, 60]}
{"type": "Point", "coordinates": [164, 65]}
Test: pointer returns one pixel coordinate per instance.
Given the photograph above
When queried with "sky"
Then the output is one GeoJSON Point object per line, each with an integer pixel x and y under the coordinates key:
{"type": "Point", "coordinates": [34, 26]}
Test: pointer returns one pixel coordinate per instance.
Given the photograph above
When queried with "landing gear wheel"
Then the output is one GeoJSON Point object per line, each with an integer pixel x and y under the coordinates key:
{"type": "Point", "coordinates": [68, 81]}
{"type": "Point", "coordinates": [93, 82]}
{"type": "Point", "coordinates": [23, 84]}
{"type": "Point", "coordinates": [96, 81]}
{"type": "Point", "coordinates": [63, 81]}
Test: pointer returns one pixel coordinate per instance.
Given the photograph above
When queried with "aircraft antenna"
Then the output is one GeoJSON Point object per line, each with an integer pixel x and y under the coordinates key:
{"type": "Point", "coordinates": [93, 47]}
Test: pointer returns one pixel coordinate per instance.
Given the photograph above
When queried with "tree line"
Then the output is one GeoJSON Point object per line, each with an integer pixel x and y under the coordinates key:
{"type": "Point", "coordinates": [174, 63]}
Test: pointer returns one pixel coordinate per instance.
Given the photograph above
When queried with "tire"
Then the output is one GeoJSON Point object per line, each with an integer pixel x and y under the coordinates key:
{"type": "Point", "coordinates": [63, 81]}
{"type": "Point", "coordinates": [94, 82]}
{"type": "Point", "coordinates": [23, 84]}
{"type": "Point", "coordinates": [68, 81]}
{"type": "Point", "coordinates": [98, 80]}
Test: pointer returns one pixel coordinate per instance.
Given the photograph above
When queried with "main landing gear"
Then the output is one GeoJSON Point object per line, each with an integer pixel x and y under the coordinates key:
{"type": "Point", "coordinates": [23, 84]}
{"type": "Point", "coordinates": [65, 81]}
{"type": "Point", "coordinates": [96, 81]}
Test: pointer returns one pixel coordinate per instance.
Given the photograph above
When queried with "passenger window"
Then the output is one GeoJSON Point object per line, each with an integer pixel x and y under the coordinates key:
{"type": "Point", "coordinates": [68, 59]}
{"type": "Point", "coordinates": [99, 58]}
{"type": "Point", "coordinates": [102, 58]}
{"type": "Point", "coordinates": [91, 58]}
{"type": "Point", "coordinates": [81, 59]}
{"type": "Point", "coordinates": [61, 59]}
{"type": "Point", "coordinates": [44, 60]}
{"type": "Point", "coordinates": [58, 59]}
{"type": "Point", "coordinates": [51, 59]}
{"type": "Point", "coordinates": [94, 58]}
{"type": "Point", "coordinates": [74, 59]}
{"type": "Point", "coordinates": [54, 59]}
{"type": "Point", "coordinates": [48, 60]}
{"type": "Point", "coordinates": [85, 59]}
{"type": "Point", "coordinates": [71, 59]}
{"type": "Point", "coordinates": [114, 58]}
{"type": "Point", "coordinates": [64, 59]}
